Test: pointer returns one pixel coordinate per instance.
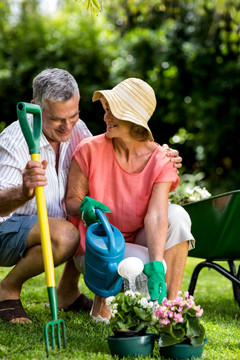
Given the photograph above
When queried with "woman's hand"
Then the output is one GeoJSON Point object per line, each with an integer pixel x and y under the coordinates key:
{"type": "Point", "coordinates": [87, 210]}
{"type": "Point", "coordinates": [156, 280]}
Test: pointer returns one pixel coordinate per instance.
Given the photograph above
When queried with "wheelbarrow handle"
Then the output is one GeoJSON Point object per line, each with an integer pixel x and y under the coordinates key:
{"type": "Point", "coordinates": [32, 136]}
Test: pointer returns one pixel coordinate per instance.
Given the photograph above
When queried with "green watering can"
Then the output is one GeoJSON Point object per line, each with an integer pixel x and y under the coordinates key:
{"type": "Point", "coordinates": [32, 137]}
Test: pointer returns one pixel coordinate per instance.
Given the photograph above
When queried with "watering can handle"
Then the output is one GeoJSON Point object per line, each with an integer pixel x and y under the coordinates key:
{"type": "Point", "coordinates": [32, 136]}
{"type": "Point", "coordinates": [108, 229]}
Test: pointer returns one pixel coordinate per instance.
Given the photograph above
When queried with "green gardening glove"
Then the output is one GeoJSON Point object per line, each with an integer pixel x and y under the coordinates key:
{"type": "Point", "coordinates": [87, 210]}
{"type": "Point", "coordinates": [156, 280]}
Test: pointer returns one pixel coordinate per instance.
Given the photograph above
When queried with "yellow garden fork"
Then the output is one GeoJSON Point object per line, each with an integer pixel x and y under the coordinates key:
{"type": "Point", "coordinates": [32, 136]}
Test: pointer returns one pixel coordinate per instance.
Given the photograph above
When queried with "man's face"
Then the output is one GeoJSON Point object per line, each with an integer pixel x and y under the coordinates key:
{"type": "Point", "coordinates": [58, 120]}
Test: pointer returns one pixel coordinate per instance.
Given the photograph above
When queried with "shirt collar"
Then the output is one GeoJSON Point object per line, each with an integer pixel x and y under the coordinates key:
{"type": "Point", "coordinates": [44, 142]}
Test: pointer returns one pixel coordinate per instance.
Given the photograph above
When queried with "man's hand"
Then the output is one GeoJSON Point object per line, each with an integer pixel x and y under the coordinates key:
{"type": "Point", "coordinates": [33, 176]}
{"type": "Point", "coordinates": [87, 210]}
{"type": "Point", "coordinates": [156, 280]}
{"type": "Point", "coordinates": [174, 155]}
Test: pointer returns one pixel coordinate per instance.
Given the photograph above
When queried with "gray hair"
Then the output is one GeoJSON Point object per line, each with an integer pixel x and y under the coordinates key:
{"type": "Point", "coordinates": [54, 85]}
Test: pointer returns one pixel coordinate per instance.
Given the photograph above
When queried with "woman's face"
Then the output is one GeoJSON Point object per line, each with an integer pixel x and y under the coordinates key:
{"type": "Point", "coordinates": [115, 127]}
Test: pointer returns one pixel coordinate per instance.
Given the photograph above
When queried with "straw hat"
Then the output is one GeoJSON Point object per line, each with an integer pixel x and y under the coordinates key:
{"type": "Point", "coordinates": [131, 100]}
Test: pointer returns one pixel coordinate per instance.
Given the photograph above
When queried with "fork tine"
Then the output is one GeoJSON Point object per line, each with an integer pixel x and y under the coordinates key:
{"type": "Point", "coordinates": [46, 338]}
{"type": "Point", "coordinates": [59, 335]}
{"type": "Point", "coordinates": [53, 342]}
{"type": "Point", "coordinates": [56, 330]}
{"type": "Point", "coordinates": [64, 334]}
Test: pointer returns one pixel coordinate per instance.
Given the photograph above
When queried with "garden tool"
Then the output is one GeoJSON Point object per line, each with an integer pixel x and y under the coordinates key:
{"type": "Point", "coordinates": [56, 327]}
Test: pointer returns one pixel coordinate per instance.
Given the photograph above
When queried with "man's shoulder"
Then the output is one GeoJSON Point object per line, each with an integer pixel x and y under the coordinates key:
{"type": "Point", "coordinates": [12, 137]}
{"type": "Point", "coordinates": [81, 129]}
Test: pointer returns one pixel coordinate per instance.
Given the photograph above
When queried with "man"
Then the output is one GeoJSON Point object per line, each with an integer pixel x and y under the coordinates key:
{"type": "Point", "coordinates": [57, 93]}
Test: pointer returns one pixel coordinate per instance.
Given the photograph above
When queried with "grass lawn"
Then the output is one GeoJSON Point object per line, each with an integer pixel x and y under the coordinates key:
{"type": "Point", "coordinates": [86, 339]}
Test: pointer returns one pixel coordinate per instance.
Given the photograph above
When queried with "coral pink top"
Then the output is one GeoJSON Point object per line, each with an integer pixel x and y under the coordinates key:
{"type": "Point", "coordinates": [127, 195]}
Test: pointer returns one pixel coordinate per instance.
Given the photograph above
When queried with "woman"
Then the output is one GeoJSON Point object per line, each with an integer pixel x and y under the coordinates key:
{"type": "Point", "coordinates": [130, 173]}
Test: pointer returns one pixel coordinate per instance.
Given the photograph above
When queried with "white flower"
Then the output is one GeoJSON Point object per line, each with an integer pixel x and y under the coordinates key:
{"type": "Point", "coordinates": [143, 302]}
{"type": "Point", "coordinates": [150, 304]}
{"type": "Point", "coordinates": [189, 191]}
{"type": "Point", "coordinates": [109, 300]}
{"type": "Point", "coordinates": [130, 293]}
{"type": "Point", "coordinates": [113, 312]}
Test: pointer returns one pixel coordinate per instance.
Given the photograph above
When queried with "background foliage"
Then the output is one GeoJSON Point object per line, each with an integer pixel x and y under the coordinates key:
{"type": "Point", "coordinates": [188, 51]}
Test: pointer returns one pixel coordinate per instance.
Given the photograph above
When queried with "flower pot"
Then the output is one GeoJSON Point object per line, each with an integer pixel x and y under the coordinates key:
{"type": "Point", "coordinates": [182, 351]}
{"type": "Point", "coordinates": [131, 346]}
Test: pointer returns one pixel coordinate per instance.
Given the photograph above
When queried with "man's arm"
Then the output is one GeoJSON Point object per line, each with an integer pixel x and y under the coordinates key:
{"type": "Point", "coordinates": [14, 197]}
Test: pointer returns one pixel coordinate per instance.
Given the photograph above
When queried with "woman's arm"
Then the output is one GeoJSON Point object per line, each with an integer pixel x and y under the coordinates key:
{"type": "Point", "coordinates": [77, 189]}
{"type": "Point", "coordinates": [156, 226]}
{"type": "Point", "coordinates": [156, 221]}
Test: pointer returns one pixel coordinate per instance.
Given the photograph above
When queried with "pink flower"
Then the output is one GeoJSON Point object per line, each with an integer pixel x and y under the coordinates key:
{"type": "Point", "coordinates": [199, 313]}
{"type": "Point", "coordinates": [170, 314]}
{"type": "Point", "coordinates": [178, 318]}
{"type": "Point", "coordinates": [178, 300]}
{"type": "Point", "coordinates": [161, 312]}
{"type": "Point", "coordinates": [164, 321]}
{"type": "Point", "coordinates": [165, 301]}
{"type": "Point", "coordinates": [190, 303]}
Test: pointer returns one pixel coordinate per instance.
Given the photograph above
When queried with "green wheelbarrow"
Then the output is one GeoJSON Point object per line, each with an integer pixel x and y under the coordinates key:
{"type": "Point", "coordinates": [54, 329]}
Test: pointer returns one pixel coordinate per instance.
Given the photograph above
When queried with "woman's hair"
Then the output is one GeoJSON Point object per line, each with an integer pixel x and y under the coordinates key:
{"type": "Point", "coordinates": [54, 85]}
{"type": "Point", "coordinates": [139, 133]}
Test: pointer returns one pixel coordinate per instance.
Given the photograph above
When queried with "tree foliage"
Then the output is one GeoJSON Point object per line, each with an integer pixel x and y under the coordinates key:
{"type": "Point", "coordinates": [187, 50]}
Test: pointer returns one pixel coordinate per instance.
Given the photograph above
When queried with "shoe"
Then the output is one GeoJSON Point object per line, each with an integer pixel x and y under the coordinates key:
{"type": "Point", "coordinates": [13, 309]}
{"type": "Point", "coordinates": [82, 303]}
{"type": "Point", "coordinates": [100, 311]}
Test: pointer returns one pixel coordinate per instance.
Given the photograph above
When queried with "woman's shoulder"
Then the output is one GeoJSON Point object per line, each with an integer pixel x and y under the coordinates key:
{"type": "Point", "coordinates": [159, 151]}
{"type": "Point", "coordinates": [92, 141]}
{"type": "Point", "coordinates": [160, 159]}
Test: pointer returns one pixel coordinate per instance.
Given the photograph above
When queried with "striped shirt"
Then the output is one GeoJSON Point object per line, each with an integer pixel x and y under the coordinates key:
{"type": "Point", "coordinates": [14, 155]}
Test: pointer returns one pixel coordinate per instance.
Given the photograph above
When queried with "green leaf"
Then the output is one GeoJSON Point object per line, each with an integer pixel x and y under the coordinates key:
{"type": "Point", "coordinates": [167, 340]}
{"type": "Point", "coordinates": [141, 313]}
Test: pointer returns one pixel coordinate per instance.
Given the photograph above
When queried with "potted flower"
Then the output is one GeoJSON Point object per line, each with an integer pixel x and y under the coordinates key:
{"type": "Point", "coordinates": [178, 327]}
{"type": "Point", "coordinates": [131, 315]}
